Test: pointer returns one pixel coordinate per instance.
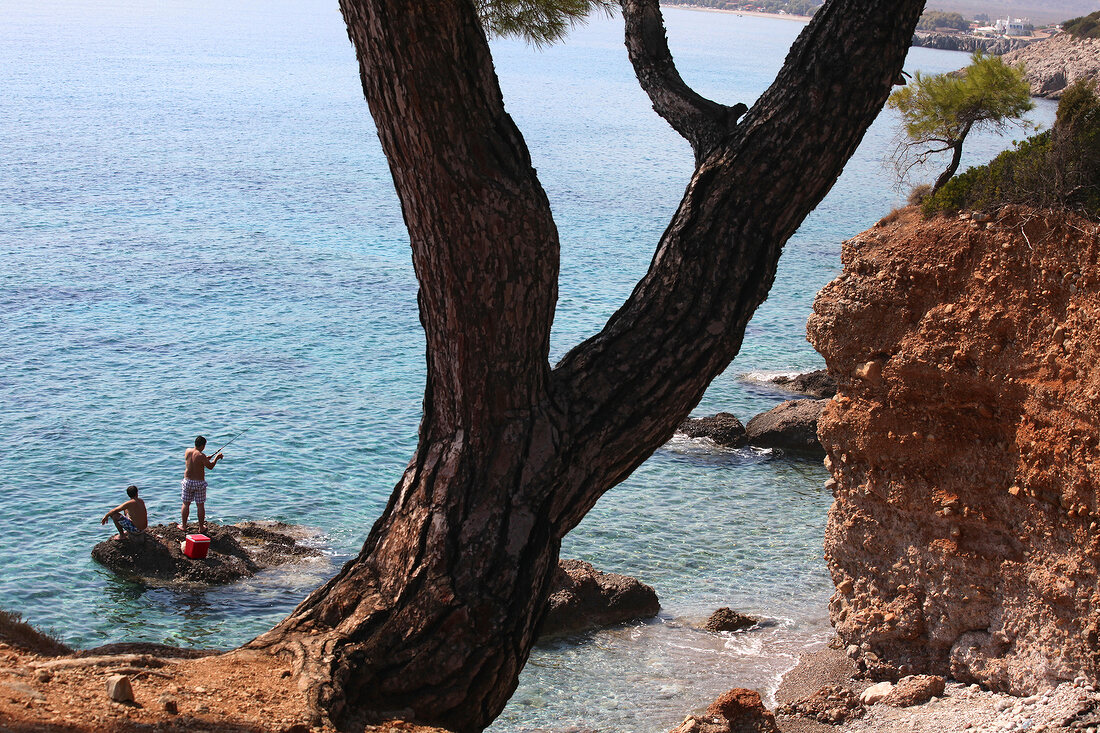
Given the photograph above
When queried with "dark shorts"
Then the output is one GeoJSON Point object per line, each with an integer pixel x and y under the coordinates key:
{"type": "Point", "coordinates": [126, 524]}
{"type": "Point", "coordinates": [194, 491]}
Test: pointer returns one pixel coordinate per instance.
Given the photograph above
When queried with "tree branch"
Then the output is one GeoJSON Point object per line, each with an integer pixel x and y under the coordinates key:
{"type": "Point", "coordinates": [700, 121]}
{"type": "Point", "coordinates": [626, 389]}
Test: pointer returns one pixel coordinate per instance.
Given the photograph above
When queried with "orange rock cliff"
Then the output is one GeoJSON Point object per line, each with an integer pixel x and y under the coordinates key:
{"type": "Point", "coordinates": [963, 444]}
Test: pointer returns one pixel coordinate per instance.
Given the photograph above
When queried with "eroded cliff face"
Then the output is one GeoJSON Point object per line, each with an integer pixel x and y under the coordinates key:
{"type": "Point", "coordinates": [964, 538]}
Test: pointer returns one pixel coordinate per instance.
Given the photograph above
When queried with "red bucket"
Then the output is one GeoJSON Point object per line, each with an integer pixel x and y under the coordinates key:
{"type": "Point", "coordinates": [196, 546]}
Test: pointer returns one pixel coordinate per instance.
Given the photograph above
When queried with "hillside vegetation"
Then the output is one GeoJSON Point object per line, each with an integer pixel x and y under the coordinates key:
{"type": "Point", "coordinates": [1059, 167]}
{"type": "Point", "coordinates": [1087, 26]}
{"type": "Point", "coordinates": [933, 19]}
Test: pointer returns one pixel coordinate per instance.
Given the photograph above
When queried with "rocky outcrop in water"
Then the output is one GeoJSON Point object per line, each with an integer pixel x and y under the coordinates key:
{"type": "Point", "coordinates": [817, 384]}
{"type": "Point", "coordinates": [736, 711]}
{"type": "Point", "coordinates": [964, 540]}
{"type": "Point", "coordinates": [969, 44]}
{"type": "Point", "coordinates": [726, 619]}
{"type": "Point", "coordinates": [236, 551]}
{"type": "Point", "coordinates": [583, 598]}
{"type": "Point", "coordinates": [1055, 63]}
{"type": "Point", "coordinates": [790, 426]}
{"type": "Point", "coordinates": [724, 429]}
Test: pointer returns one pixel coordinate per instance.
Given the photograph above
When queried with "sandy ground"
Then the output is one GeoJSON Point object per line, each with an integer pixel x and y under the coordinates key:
{"type": "Point", "coordinates": [237, 693]}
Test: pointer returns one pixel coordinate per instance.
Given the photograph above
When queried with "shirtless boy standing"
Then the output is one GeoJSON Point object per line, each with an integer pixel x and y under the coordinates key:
{"type": "Point", "coordinates": [194, 482]}
{"type": "Point", "coordinates": [130, 517]}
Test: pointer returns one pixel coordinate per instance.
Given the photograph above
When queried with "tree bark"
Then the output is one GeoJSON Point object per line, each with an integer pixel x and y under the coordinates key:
{"type": "Point", "coordinates": [437, 615]}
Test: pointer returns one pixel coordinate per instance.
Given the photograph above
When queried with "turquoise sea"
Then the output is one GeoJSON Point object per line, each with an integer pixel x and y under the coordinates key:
{"type": "Point", "coordinates": [198, 234]}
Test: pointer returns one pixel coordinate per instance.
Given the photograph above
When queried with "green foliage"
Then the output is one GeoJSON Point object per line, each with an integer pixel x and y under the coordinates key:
{"type": "Point", "coordinates": [933, 19]}
{"type": "Point", "coordinates": [1057, 168]}
{"type": "Point", "coordinates": [539, 21]}
{"type": "Point", "coordinates": [1087, 26]}
{"type": "Point", "coordinates": [938, 111]}
{"type": "Point", "coordinates": [1078, 106]}
{"type": "Point", "coordinates": [945, 107]}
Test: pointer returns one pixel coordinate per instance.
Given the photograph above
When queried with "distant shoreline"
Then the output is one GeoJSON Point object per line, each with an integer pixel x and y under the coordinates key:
{"type": "Point", "coordinates": [754, 13]}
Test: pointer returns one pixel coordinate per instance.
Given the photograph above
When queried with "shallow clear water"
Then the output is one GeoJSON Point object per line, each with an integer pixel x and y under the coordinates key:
{"type": "Point", "coordinates": [198, 234]}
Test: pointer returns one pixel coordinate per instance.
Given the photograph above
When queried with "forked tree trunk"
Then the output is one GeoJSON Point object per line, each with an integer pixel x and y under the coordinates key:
{"type": "Point", "coordinates": [437, 615]}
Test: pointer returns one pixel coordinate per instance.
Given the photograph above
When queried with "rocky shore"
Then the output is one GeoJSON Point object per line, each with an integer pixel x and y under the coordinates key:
{"type": "Point", "coordinates": [1055, 63]}
{"type": "Point", "coordinates": [963, 541]}
{"type": "Point", "coordinates": [790, 426]}
{"type": "Point", "coordinates": [969, 44]}
{"type": "Point", "coordinates": [47, 686]}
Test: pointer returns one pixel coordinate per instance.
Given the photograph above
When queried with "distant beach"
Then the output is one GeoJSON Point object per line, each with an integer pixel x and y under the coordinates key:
{"type": "Point", "coordinates": [755, 13]}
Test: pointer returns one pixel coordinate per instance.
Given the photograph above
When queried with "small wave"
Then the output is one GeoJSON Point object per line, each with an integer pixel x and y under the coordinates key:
{"type": "Point", "coordinates": [684, 443]}
{"type": "Point", "coordinates": [766, 377]}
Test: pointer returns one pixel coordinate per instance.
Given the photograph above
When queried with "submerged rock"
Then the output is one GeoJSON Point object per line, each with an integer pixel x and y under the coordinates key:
{"type": "Point", "coordinates": [584, 598]}
{"type": "Point", "coordinates": [792, 426]}
{"type": "Point", "coordinates": [724, 429]}
{"type": "Point", "coordinates": [236, 551]}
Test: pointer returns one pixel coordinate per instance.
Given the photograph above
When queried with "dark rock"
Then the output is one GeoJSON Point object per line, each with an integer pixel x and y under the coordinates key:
{"type": "Point", "coordinates": [724, 429]}
{"type": "Point", "coordinates": [736, 711]}
{"type": "Point", "coordinates": [169, 704]}
{"type": "Point", "coordinates": [832, 705]}
{"type": "Point", "coordinates": [726, 619]}
{"type": "Point", "coordinates": [791, 426]}
{"type": "Point", "coordinates": [915, 690]}
{"type": "Point", "coordinates": [236, 551]}
{"type": "Point", "coordinates": [584, 598]}
{"type": "Point", "coordinates": [813, 384]}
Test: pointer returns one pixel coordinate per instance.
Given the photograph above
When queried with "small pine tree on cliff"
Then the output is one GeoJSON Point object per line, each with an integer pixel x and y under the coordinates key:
{"type": "Point", "coordinates": [1058, 168]}
{"type": "Point", "coordinates": [938, 111]}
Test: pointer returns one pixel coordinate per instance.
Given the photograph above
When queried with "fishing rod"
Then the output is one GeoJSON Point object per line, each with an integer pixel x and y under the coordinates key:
{"type": "Point", "coordinates": [219, 450]}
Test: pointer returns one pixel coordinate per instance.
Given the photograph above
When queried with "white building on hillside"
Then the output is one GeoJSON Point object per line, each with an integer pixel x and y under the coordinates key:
{"type": "Point", "coordinates": [1012, 26]}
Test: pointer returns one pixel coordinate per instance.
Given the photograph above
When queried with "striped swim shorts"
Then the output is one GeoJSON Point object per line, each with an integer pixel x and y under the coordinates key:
{"type": "Point", "coordinates": [194, 491]}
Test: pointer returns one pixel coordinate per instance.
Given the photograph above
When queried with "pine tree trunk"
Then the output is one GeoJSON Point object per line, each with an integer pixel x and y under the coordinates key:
{"type": "Point", "coordinates": [953, 166]}
{"type": "Point", "coordinates": [437, 615]}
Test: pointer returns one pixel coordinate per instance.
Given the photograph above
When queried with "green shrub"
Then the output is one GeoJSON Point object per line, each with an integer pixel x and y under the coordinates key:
{"type": "Point", "coordinates": [1056, 168]}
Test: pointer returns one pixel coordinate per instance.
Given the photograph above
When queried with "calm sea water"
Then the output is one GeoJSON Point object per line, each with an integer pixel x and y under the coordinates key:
{"type": "Point", "coordinates": [198, 234]}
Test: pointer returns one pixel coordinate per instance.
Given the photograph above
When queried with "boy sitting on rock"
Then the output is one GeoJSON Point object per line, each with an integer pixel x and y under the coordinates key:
{"type": "Point", "coordinates": [130, 517]}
